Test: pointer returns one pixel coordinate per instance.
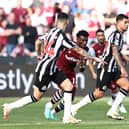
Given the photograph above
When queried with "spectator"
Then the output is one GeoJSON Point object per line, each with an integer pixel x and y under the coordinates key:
{"type": "Point", "coordinates": [20, 13]}
{"type": "Point", "coordinates": [57, 7]}
{"type": "Point", "coordinates": [2, 15]}
{"type": "Point", "coordinates": [3, 36]}
{"type": "Point", "coordinates": [14, 31]}
{"type": "Point", "coordinates": [30, 34]}
{"type": "Point", "coordinates": [72, 5]}
{"type": "Point", "coordinates": [93, 25]}
{"type": "Point", "coordinates": [80, 23]}
{"type": "Point", "coordinates": [47, 13]}
{"type": "Point", "coordinates": [20, 50]}
{"type": "Point", "coordinates": [35, 17]}
{"type": "Point", "coordinates": [36, 21]}
{"type": "Point", "coordinates": [3, 22]}
{"type": "Point", "coordinates": [2, 51]}
{"type": "Point", "coordinates": [71, 25]}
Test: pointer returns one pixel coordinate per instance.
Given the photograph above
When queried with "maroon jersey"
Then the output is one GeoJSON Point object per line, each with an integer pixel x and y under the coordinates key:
{"type": "Point", "coordinates": [98, 49]}
{"type": "Point", "coordinates": [67, 62]}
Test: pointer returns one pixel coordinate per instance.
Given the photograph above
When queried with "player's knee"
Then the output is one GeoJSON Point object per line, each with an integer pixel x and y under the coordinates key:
{"type": "Point", "coordinates": [37, 94]}
{"type": "Point", "coordinates": [123, 83]}
{"type": "Point", "coordinates": [66, 85]}
{"type": "Point", "coordinates": [98, 93]}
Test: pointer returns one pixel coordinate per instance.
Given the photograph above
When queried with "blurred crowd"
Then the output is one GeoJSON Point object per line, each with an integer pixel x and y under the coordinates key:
{"type": "Point", "coordinates": [22, 21]}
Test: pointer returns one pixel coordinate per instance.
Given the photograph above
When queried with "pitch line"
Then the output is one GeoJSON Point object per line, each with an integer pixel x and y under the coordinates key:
{"type": "Point", "coordinates": [55, 123]}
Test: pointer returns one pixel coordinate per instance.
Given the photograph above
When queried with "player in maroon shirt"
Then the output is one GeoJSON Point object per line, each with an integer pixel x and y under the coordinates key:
{"type": "Point", "coordinates": [98, 51]}
{"type": "Point", "coordinates": [67, 62]}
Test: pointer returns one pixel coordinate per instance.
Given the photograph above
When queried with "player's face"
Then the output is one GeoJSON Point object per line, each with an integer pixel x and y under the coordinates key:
{"type": "Point", "coordinates": [82, 41]}
{"type": "Point", "coordinates": [123, 25]}
{"type": "Point", "coordinates": [100, 37]}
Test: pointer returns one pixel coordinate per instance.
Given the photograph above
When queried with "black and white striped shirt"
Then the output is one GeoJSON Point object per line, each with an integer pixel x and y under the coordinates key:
{"type": "Point", "coordinates": [54, 43]}
{"type": "Point", "coordinates": [115, 38]}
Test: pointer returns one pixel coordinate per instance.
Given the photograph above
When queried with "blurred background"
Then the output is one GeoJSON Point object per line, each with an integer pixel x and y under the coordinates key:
{"type": "Point", "coordinates": [22, 21]}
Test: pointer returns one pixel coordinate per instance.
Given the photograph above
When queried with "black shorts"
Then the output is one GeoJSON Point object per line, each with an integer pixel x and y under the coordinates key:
{"type": "Point", "coordinates": [104, 78]}
{"type": "Point", "coordinates": [58, 77]}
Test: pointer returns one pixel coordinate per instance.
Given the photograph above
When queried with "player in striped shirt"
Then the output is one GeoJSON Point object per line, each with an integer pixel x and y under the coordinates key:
{"type": "Point", "coordinates": [67, 62]}
{"type": "Point", "coordinates": [98, 52]}
{"type": "Point", "coordinates": [113, 71]}
{"type": "Point", "coordinates": [47, 71]}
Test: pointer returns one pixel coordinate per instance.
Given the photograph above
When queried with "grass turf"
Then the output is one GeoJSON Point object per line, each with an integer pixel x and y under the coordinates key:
{"type": "Point", "coordinates": [93, 116]}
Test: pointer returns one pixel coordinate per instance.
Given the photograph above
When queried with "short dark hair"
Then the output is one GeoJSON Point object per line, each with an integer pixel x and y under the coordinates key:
{"type": "Point", "coordinates": [99, 30]}
{"type": "Point", "coordinates": [82, 33]}
{"type": "Point", "coordinates": [62, 16]}
{"type": "Point", "coordinates": [121, 17]}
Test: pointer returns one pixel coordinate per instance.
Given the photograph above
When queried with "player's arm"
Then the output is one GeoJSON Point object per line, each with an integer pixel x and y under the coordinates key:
{"type": "Point", "coordinates": [92, 69]}
{"type": "Point", "coordinates": [119, 62]}
{"type": "Point", "coordinates": [86, 55]}
{"type": "Point", "coordinates": [91, 64]}
{"type": "Point", "coordinates": [38, 46]}
{"type": "Point", "coordinates": [82, 52]}
{"type": "Point", "coordinates": [125, 52]}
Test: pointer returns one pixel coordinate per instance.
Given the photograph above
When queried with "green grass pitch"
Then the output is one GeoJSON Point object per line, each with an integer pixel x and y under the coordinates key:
{"type": "Point", "coordinates": [93, 116]}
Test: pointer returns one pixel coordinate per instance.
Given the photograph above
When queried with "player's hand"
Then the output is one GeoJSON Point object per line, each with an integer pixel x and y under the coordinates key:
{"type": "Point", "coordinates": [100, 60]}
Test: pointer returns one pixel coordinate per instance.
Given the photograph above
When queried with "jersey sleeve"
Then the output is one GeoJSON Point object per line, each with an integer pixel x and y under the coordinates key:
{"type": "Point", "coordinates": [116, 38]}
{"type": "Point", "coordinates": [68, 43]}
{"type": "Point", "coordinates": [73, 55]}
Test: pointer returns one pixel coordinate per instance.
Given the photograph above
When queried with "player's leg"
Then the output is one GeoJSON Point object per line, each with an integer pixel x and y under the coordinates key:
{"type": "Point", "coordinates": [48, 106]}
{"type": "Point", "coordinates": [56, 97]}
{"type": "Point", "coordinates": [101, 86]}
{"type": "Point", "coordinates": [89, 98]}
{"type": "Point", "coordinates": [8, 107]}
{"type": "Point", "coordinates": [67, 87]}
{"type": "Point", "coordinates": [60, 106]}
{"type": "Point", "coordinates": [38, 88]}
{"type": "Point", "coordinates": [57, 109]}
{"type": "Point", "coordinates": [67, 118]}
{"type": "Point", "coordinates": [124, 84]}
{"type": "Point", "coordinates": [114, 88]}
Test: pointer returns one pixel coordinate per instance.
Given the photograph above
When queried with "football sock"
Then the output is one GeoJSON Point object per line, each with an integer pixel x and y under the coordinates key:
{"type": "Point", "coordinates": [86, 100]}
{"type": "Point", "coordinates": [22, 102]}
{"type": "Point", "coordinates": [57, 96]}
{"type": "Point", "coordinates": [59, 107]}
{"type": "Point", "coordinates": [121, 95]}
{"type": "Point", "coordinates": [114, 95]}
{"type": "Point", "coordinates": [67, 104]}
